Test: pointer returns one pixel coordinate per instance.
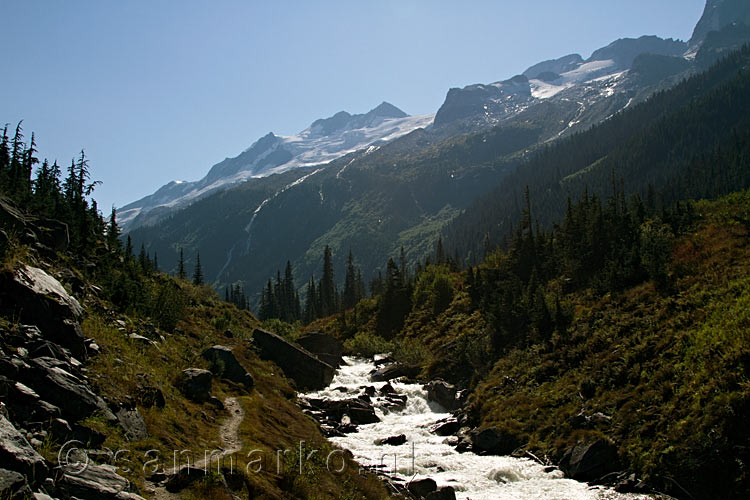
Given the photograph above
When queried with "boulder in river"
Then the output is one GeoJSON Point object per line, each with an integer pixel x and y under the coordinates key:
{"type": "Point", "coordinates": [422, 487]}
{"type": "Point", "coordinates": [307, 371]}
{"type": "Point", "coordinates": [494, 441]}
{"type": "Point", "coordinates": [328, 349]}
{"type": "Point", "coordinates": [444, 394]}
{"type": "Point", "coordinates": [588, 461]}
{"type": "Point", "coordinates": [442, 493]}
{"type": "Point", "coordinates": [394, 370]}
{"type": "Point", "coordinates": [445, 427]}
{"type": "Point", "coordinates": [358, 412]}
{"type": "Point", "coordinates": [392, 440]}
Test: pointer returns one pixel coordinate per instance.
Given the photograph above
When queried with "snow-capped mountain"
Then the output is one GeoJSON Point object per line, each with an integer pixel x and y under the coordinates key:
{"type": "Point", "coordinates": [325, 140]}
{"type": "Point", "coordinates": [602, 76]}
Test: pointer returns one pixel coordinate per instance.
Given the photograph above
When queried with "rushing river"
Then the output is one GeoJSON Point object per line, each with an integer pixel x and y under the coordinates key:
{"type": "Point", "coordinates": [425, 455]}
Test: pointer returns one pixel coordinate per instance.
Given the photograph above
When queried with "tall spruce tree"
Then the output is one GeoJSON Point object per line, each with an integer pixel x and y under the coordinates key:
{"type": "Point", "coordinates": [198, 272]}
{"type": "Point", "coordinates": [181, 266]}
{"type": "Point", "coordinates": [327, 286]}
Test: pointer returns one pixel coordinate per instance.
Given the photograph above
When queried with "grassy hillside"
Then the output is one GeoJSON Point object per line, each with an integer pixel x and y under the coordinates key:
{"type": "Point", "coordinates": [666, 365]}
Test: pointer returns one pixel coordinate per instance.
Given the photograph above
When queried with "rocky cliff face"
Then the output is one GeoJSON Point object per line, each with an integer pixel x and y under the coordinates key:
{"type": "Point", "coordinates": [717, 15]}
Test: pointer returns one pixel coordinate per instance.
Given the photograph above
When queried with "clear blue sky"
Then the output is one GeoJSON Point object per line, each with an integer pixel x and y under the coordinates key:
{"type": "Point", "coordinates": [160, 90]}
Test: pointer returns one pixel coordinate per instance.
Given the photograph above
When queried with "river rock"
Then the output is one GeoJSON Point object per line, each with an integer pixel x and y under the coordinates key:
{"type": "Point", "coordinates": [392, 440]}
{"type": "Point", "coordinates": [16, 453]}
{"type": "Point", "coordinates": [39, 299]}
{"type": "Point", "coordinates": [387, 389]}
{"type": "Point", "coordinates": [358, 411]}
{"type": "Point", "coordinates": [494, 441]}
{"type": "Point", "coordinates": [444, 394]}
{"type": "Point", "coordinates": [590, 460]}
{"type": "Point", "coordinates": [95, 482]}
{"type": "Point", "coordinates": [443, 493]}
{"type": "Point", "coordinates": [445, 427]}
{"type": "Point", "coordinates": [307, 371]}
{"type": "Point", "coordinates": [328, 349]}
{"type": "Point", "coordinates": [394, 370]}
{"type": "Point", "coordinates": [224, 364]}
{"type": "Point", "coordinates": [422, 487]}
{"type": "Point", "coordinates": [195, 384]}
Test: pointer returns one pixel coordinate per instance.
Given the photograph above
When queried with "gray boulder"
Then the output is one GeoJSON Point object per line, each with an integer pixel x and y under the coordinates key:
{"type": "Point", "coordinates": [224, 364]}
{"type": "Point", "coordinates": [494, 441]}
{"type": "Point", "coordinates": [358, 412]}
{"type": "Point", "coordinates": [95, 482]}
{"type": "Point", "coordinates": [443, 493]}
{"type": "Point", "coordinates": [422, 487]}
{"type": "Point", "coordinates": [444, 394]}
{"type": "Point", "coordinates": [326, 348]}
{"type": "Point", "coordinates": [307, 371]}
{"type": "Point", "coordinates": [195, 384]}
{"type": "Point", "coordinates": [392, 440]}
{"type": "Point", "coordinates": [71, 394]}
{"type": "Point", "coordinates": [392, 371]}
{"type": "Point", "coordinates": [39, 299]}
{"type": "Point", "coordinates": [590, 460]}
{"type": "Point", "coordinates": [132, 423]}
{"type": "Point", "coordinates": [13, 485]}
{"type": "Point", "coordinates": [445, 427]}
{"type": "Point", "coordinates": [16, 453]}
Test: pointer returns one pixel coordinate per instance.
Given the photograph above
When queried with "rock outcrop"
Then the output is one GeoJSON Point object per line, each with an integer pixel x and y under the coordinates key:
{"type": "Point", "coordinates": [307, 371]}
{"type": "Point", "coordinates": [95, 482]}
{"type": "Point", "coordinates": [328, 349]}
{"type": "Point", "coordinates": [16, 454]}
{"type": "Point", "coordinates": [224, 364]}
{"type": "Point", "coordinates": [37, 298]}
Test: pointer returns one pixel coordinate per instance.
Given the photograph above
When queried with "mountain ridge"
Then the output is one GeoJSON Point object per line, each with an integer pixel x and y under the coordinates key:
{"type": "Point", "coordinates": [324, 140]}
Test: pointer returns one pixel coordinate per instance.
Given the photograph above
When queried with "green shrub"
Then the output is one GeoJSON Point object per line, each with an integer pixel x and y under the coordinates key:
{"type": "Point", "coordinates": [367, 345]}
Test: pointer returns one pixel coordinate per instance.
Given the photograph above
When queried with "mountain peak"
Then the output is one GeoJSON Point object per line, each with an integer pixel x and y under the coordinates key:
{"type": "Point", "coordinates": [719, 14]}
{"type": "Point", "coordinates": [625, 50]}
{"type": "Point", "coordinates": [386, 110]}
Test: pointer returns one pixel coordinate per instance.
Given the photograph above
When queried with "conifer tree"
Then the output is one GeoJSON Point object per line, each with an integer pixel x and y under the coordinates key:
{"type": "Point", "coordinates": [113, 232]}
{"type": "Point", "coordinates": [180, 267]}
{"type": "Point", "coordinates": [198, 272]}
{"type": "Point", "coordinates": [327, 287]}
{"type": "Point", "coordinates": [311, 311]}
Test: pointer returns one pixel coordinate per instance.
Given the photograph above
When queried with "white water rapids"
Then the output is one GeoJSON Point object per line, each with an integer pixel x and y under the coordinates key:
{"type": "Point", "coordinates": [425, 455]}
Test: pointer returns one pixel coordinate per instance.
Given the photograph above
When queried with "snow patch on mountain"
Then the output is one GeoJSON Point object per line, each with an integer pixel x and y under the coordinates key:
{"type": "Point", "coordinates": [324, 141]}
